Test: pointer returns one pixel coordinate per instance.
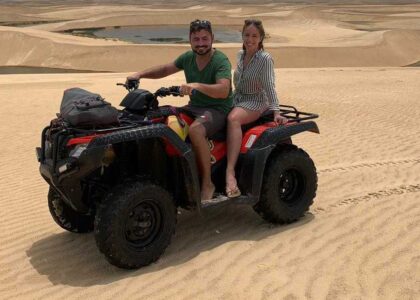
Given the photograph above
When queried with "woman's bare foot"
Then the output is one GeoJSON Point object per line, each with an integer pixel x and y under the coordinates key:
{"type": "Point", "coordinates": [207, 192]}
{"type": "Point", "coordinates": [232, 189]}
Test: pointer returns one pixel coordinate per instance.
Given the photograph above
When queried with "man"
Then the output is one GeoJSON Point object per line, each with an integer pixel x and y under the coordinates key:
{"type": "Point", "coordinates": [208, 72]}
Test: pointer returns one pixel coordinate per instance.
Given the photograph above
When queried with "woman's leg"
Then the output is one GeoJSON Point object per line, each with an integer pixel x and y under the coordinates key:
{"type": "Point", "coordinates": [236, 118]}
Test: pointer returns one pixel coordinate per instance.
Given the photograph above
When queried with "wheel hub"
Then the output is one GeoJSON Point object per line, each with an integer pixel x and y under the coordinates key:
{"type": "Point", "coordinates": [143, 224]}
{"type": "Point", "coordinates": [290, 186]}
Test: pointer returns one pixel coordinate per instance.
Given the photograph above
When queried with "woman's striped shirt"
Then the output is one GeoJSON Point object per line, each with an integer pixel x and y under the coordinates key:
{"type": "Point", "coordinates": [255, 84]}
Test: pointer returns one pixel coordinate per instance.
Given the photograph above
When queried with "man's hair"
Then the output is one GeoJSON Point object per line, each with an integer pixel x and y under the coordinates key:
{"type": "Point", "coordinates": [260, 28]}
{"type": "Point", "coordinates": [198, 25]}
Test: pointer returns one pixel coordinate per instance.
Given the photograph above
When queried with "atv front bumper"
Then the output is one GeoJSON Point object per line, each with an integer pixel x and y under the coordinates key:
{"type": "Point", "coordinates": [66, 175]}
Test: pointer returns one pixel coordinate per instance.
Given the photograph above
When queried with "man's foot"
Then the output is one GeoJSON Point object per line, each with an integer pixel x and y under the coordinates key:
{"type": "Point", "coordinates": [232, 190]}
{"type": "Point", "coordinates": [207, 192]}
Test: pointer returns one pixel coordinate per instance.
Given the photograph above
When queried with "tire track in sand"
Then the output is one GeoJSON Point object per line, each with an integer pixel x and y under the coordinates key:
{"type": "Point", "coordinates": [369, 165]}
{"type": "Point", "coordinates": [375, 195]}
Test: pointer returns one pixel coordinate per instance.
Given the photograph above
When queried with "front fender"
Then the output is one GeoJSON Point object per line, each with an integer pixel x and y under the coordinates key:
{"type": "Point", "coordinates": [189, 167]}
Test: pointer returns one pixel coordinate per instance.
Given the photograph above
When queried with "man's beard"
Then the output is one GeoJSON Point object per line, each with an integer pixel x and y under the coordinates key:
{"type": "Point", "coordinates": [202, 53]}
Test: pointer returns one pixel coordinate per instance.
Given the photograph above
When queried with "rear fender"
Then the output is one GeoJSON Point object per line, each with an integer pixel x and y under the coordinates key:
{"type": "Point", "coordinates": [255, 155]}
{"type": "Point", "coordinates": [269, 134]}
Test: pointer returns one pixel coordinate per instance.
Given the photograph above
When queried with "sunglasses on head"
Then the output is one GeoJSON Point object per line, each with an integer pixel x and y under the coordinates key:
{"type": "Point", "coordinates": [252, 22]}
{"type": "Point", "coordinates": [200, 24]}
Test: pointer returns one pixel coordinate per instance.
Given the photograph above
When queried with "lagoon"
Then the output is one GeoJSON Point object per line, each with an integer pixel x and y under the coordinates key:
{"type": "Point", "coordinates": [173, 34]}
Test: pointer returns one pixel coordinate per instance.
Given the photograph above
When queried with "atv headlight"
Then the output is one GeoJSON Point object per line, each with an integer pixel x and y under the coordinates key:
{"type": "Point", "coordinates": [63, 168]}
{"type": "Point", "coordinates": [68, 165]}
{"type": "Point", "coordinates": [78, 150]}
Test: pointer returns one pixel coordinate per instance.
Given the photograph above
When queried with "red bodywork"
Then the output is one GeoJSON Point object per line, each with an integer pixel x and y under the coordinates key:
{"type": "Point", "coordinates": [218, 148]}
{"type": "Point", "coordinates": [81, 140]}
{"type": "Point", "coordinates": [254, 134]}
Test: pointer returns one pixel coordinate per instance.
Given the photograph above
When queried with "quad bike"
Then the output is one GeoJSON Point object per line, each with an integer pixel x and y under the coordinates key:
{"type": "Point", "coordinates": [125, 181]}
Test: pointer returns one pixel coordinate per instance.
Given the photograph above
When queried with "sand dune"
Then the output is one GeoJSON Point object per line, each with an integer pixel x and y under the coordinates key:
{"type": "Point", "coordinates": [30, 47]}
{"type": "Point", "coordinates": [361, 238]}
{"type": "Point", "coordinates": [317, 36]}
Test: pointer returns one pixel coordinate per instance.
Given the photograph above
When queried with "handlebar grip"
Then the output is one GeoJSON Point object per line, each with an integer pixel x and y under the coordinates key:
{"type": "Point", "coordinates": [176, 89]}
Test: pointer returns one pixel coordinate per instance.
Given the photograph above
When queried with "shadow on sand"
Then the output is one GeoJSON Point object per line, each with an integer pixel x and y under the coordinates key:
{"type": "Point", "coordinates": [73, 259]}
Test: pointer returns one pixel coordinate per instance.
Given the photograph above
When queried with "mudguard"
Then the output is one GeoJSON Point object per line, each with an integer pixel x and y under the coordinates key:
{"type": "Point", "coordinates": [67, 183]}
{"type": "Point", "coordinates": [255, 159]}
{"type": "Point", "coordinates": [189, 167]}
{"type": "Point", "coordinates": [274, 135]}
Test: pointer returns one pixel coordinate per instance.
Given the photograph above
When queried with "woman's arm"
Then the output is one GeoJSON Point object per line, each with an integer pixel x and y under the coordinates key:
{"type": "Point", "coordinates": [268, 82]}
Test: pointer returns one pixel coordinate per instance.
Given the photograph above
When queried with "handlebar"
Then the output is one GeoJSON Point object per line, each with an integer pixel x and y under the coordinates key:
{"type": "Point", "coordinates": [132, 85]}
{"type": "Point", "coordinates": [173, 91]}
{"type": "Point", "coordinates": [170, 91]}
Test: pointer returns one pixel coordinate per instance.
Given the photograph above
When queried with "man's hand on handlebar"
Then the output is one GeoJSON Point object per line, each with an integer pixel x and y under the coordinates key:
{"type": "Point", "coordinates": [187, 89]}
{"type": "Point", "coordinates": [131, 82]}
{"type": "Point", "coordinates": [133, 77]}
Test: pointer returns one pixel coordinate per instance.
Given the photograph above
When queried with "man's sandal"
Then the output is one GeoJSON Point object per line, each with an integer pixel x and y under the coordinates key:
{"type": "Point", "coordinates": [233, 193]}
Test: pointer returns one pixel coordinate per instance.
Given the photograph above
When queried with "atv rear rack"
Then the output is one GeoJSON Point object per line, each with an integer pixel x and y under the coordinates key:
{"type": "Point", "coordinates": [293, 114]}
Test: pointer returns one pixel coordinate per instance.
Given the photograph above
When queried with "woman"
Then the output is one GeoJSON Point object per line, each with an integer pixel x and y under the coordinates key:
{"type": "Point", "coordinates": [254, 93]}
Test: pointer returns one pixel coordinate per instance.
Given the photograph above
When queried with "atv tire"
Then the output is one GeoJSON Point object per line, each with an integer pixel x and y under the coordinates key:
{"type": "Point", "coordinates": [289, 186]}
{"type": "Point", "coordinates": [134, 224]}
{"type": "Point", "coordinates": [66, 217]}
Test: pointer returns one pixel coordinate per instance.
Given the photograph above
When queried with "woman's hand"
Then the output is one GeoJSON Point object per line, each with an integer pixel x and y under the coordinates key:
{"type": "Point", "coordinates": [279, 119]}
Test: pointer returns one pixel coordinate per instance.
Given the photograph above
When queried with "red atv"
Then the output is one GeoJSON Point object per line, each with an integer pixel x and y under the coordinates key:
{"type": "Point", "coordinates": [124, 179]}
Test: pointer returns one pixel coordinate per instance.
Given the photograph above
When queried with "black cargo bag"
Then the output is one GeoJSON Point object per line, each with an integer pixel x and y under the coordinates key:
{"type": "Point", "coordinates": [83, 108]}
{"type": "Point", "coordinates": [139, 101]}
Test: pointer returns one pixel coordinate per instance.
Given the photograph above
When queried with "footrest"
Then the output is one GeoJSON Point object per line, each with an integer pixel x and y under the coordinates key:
{"type": "Point", "coordinates": [217, 200]}
{"type": "Point", "coordinates": [220, 198]}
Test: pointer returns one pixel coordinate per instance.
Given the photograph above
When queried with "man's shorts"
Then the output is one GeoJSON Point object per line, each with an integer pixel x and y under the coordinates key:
{"type": "Point", "coordinates": [212, 119]}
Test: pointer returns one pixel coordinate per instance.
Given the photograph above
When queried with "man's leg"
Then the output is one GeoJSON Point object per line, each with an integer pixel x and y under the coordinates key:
{"type": "Point", "coordinates": [197, 134]}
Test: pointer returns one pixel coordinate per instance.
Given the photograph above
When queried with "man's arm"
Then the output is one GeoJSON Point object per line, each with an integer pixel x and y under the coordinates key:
{"type": "Point", "coordinates": [155, 72]}
{"type": "Point", "coordinates": [219, 90]}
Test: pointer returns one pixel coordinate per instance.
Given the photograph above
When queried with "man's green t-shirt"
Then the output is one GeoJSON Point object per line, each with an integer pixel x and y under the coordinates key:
{"type": "Point", "coordinates": [219, 67]}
